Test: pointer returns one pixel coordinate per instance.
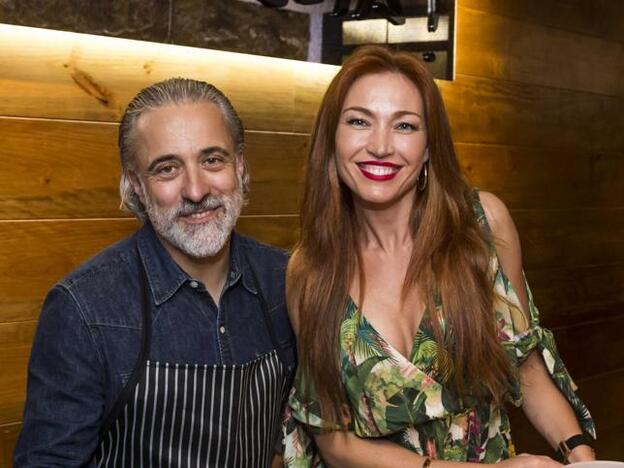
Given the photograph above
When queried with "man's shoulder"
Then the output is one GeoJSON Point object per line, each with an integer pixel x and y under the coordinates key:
{"type": "Point", "coordinates": [110, 263]}
{"type": "Point", "coordinates": [259, 252]}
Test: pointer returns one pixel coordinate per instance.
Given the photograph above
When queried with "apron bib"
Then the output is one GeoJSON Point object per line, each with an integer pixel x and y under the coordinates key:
{"type": "Point", "coordinates": [190, 415]}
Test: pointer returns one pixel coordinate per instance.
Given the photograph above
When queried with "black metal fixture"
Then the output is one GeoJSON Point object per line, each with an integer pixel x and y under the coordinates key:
{"type": "Point", "coordinates": [432, 16]}
{"type": "Point", "coordinates": [274, 3]}
{"type": "Point", "coordinates": [390, 10]}
{"type": "Point", "coordinates": [429, 56]}
{"type": "Point", "coordinates": [387, 9]}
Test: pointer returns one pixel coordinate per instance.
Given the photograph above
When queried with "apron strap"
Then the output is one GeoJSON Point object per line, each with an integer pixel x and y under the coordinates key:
{"type": "Point", "coordinates": [139, 367]}
{"type": "Point", "coordinates": [267, 317]}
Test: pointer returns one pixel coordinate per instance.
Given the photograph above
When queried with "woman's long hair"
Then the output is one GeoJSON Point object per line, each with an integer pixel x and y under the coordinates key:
{"type": "Point", "coordinates": [450, 256]}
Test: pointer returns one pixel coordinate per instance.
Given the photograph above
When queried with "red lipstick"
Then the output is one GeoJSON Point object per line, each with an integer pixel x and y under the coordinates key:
{"type": "Point", "coordinates": [379, 171]}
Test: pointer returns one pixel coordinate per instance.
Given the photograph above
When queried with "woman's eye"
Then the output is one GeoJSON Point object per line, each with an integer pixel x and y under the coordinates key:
{"type": "Point", "coordinates": [406, 126]}
{"type": "Point", "coordinates": [357, 122]}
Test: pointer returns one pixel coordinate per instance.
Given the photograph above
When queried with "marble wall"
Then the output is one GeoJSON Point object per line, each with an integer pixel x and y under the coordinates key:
{"type": "Point", "coordinates": [228, 25]}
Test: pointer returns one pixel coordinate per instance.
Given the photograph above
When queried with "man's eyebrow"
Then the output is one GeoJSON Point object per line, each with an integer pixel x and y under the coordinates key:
{"type": "Point", "coordinates": [215, 149]}
{"type": "Point", "coordinates": [366, 111]}
{"type": "Point", "coordinates": [159, 160]}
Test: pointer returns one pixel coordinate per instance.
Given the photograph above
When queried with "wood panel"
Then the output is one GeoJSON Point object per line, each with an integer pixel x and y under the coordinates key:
{"type": "Point", "coordinates": [592, 348]}
{"type": "Point", "coordinates": [35, 82]}
{"type": "Point", "coordinates": [55, 74]}
{"type": "Point", "coordinates": [15, 342]}
{"type": "Point", "coordinates": [603, 397]}
{"type": "Point", "coordinates": [568, 238]}
{"type": "Point", "coordinates": [36, 254]}
{"type": "Point", "coordinates": [600, 18]}
{"type": "Point", "coordinates": [526, 177]}
{"type": "Point", "coordinates": [504, 48]}
{"type": "Point", "coordinates": [483, 110]}
{"type": "Point", "coordinates": [70, 169]}
{"type": "Point", "coordinates": [8, 437]}
{"type": "Point", "coordinates": [578, 294]}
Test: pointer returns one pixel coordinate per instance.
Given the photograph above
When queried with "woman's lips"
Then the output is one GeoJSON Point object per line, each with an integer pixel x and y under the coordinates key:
{"type": "Point", "coordinates": [379, 170]}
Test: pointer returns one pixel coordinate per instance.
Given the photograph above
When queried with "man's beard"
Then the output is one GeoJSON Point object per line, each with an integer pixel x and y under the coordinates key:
{"type": "Point", "coordinates": [197, 240]}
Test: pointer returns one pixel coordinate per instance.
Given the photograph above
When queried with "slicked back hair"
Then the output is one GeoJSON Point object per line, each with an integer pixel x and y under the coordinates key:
{"type": "Point", "coordinates": [163, 93]}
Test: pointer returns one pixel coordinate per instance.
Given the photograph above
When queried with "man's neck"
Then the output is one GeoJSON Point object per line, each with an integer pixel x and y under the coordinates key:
{"type": "Point", "coordinates": [211, 271]}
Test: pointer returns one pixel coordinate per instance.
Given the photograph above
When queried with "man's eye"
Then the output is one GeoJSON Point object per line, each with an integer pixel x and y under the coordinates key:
{"type": "Point", "coordinates": [212, 161]}
{"type": "Point", "coordinates": [165, 170]}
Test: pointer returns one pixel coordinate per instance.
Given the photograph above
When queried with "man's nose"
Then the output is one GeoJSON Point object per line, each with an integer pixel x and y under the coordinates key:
{"type": "Point", "coordinates": [380, 144]}
{"type": "Point", "coordinates": [196, 185]}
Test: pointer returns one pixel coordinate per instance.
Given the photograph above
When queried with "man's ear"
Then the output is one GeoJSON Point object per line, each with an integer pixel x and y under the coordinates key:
{"type": "Point", "coordinates": [240, 164]}
{"type": "Point", "coordinates": [137, 186]}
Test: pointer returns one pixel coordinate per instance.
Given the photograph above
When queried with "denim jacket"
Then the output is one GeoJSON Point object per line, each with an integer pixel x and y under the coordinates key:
{"type": "Point", "coordinates": [89, 333]}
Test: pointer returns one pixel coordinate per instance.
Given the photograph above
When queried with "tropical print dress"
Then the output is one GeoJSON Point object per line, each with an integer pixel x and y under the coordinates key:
{"type": "Point", "coordinates": [406, 401]}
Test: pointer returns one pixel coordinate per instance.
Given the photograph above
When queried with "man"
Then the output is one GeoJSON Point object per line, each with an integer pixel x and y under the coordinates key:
{"type": "Point", "coordinates": [173, 346]}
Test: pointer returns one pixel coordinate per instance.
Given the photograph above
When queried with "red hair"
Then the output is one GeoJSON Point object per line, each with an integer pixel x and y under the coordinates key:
{"type": "Point", "coordinates": [453, 251]}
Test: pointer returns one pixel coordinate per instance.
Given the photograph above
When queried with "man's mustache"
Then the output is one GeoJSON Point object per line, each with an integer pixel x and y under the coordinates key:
{"type": "Point", "coordinates": [209, 202]}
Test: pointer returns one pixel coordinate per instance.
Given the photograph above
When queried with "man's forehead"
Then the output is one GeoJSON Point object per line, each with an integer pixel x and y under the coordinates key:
{"type": "Point", "coordinates": [182, 127]}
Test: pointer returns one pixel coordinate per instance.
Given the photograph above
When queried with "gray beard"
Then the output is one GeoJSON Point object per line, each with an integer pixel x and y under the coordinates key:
{"type": "Point", "coordinates": [197, 240]}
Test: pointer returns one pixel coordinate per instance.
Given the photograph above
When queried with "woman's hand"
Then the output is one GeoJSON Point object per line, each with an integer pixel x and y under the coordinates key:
{"type": "Point", "coordinates": [525, 460]}
{"type": "Point", "coordinates": [581, 453]}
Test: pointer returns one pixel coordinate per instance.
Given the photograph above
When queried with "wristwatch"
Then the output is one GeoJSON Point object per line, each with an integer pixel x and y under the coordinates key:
{"type": "Point", "coordinates": [566, 446]}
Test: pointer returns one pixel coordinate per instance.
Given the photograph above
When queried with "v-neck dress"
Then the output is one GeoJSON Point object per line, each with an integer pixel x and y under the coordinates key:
{"type": "Point", "coordinates": [406, 399]}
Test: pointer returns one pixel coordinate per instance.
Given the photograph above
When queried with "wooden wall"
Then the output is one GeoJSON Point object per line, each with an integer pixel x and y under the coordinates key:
{"type": "Point", "coordinates": [536, 110]}
{"type": "Point", "coordinates": [536, 113]}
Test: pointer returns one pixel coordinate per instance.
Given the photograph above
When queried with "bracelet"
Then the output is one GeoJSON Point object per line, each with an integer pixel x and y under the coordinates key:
{"type": "Point", "coordinates": [427, 462]}
{"type": "Point", "coordinates": [566, 446]}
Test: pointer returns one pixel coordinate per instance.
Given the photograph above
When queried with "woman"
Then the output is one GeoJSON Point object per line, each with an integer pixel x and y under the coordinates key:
{"type": "Point", "coordinates": [406, 291]}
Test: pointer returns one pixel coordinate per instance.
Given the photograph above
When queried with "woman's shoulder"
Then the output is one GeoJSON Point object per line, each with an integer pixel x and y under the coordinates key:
{"type": "Point", "coordinates": [498, 217]}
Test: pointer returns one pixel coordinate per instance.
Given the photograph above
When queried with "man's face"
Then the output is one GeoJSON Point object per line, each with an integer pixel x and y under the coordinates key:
{"type": "Point", "coordinates": [188, 177]}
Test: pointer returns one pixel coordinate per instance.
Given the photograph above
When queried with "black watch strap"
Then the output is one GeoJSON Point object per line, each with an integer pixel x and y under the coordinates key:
{"type": "Point", "coordinates": [566, 446]}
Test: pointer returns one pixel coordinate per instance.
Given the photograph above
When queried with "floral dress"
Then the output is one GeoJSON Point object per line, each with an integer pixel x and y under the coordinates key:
{"type": "Point", "coordinates": [405, 400]}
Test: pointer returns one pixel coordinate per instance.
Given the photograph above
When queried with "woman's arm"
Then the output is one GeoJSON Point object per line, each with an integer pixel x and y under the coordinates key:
{"type": "Point", "coordinates": [544, 405]}
{"type": "Point", "coordinates": [345, 450]}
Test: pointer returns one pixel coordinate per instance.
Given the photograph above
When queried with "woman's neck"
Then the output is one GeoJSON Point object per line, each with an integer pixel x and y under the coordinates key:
{"type": "Point", "coordinates": [386, 229]}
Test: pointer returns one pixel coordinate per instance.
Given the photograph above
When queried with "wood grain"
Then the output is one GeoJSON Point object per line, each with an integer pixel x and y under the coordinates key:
{"type": "Point", "coordinates": [36, 254]}
{"type": "Point", "coordinates": [592, 348]}
{"type": "Point", "coordinates": [600, 18]}
{"type": "Point", "coordinates": [570, 238]}
{"type": "Point", "coordinates": [62, 169]}
{"type": "Point", "coordinates": [507, 49]}
{"type": "Point", "coordinates": [578, 294]}
{"type": "Point", "coordinates": [8, 437]}
{"type": "Point", "coordinates": [483, 110]}
{"type": "Point", "coordinates": [603, 396]}
{"type": "Point", "coordinates": [15, 342]}
{"type": "Point", "coordinates": [55, 74]}
{"type": "Point", "coordinates": [542, 178]}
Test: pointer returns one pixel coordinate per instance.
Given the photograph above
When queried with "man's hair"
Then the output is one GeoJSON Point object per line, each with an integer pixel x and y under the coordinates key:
{"type": "Point", "coordinates": [163, 93]}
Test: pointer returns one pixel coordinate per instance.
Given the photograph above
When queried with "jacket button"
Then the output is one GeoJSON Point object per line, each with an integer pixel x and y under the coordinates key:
{"type": "Point", "coordinates": [222, 329]}
{"type": "Point", "coordinates": [193, 284]}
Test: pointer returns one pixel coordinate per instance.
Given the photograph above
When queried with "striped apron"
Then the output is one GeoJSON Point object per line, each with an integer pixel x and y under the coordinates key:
{"type": "Point", "coordinates": [189, 415]}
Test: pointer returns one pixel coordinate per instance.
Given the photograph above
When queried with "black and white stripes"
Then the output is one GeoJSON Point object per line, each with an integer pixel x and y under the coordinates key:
{"type": "Point", "coordinates": [198, 416]}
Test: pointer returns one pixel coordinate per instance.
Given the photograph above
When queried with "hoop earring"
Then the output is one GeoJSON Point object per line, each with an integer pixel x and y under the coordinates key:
{"type": "Point", "coordinates": [423, 178]}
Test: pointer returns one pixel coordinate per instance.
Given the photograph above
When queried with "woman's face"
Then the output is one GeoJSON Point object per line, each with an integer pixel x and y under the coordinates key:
{"type": "Point", "coordinates": [381, 139]}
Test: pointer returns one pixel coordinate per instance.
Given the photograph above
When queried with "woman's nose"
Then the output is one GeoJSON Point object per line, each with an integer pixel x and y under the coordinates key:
{"type": "Point", "coordinates": [380, 142]}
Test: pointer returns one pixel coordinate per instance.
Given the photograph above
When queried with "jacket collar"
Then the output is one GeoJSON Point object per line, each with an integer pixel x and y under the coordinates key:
{"type": "Point", "coordinates": [164, 275]}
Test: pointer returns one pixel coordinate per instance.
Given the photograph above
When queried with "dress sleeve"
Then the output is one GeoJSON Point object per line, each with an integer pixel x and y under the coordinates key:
{"type": "Point", "coordinates": [521, 335]}
{"type": "Point", "coordinates": [302, 420]}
